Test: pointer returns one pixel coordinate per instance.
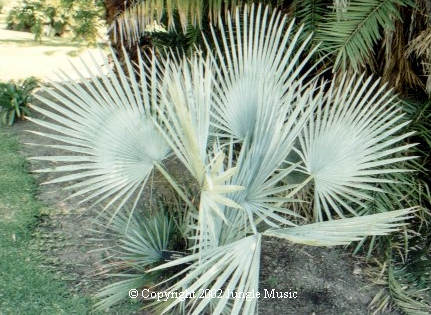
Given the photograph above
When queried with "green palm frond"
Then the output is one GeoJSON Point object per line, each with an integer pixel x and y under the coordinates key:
{"type": "Point", "coordinates": [413, 191]}
{"type": "Point", "coordinates": [350, 38]}
{"type": "Point", "coordinates": [349, 143]}
{"type": "Point", "coordinates": [310, 13]}
{"type": "Point", "coordinates": [407, 283]}
{"type": "Point", "coordinates": [101, 125]}
{"type": "Point", "coordinates": [407, 297]}
{"type": "Point", "coordinates": [340, 7]}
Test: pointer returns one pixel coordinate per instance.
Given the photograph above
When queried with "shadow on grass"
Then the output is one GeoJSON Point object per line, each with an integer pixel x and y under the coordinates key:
{"type": "Point", "coordinates": [49, 43]}
{"type": "Point", "coordinates": [44, 42]}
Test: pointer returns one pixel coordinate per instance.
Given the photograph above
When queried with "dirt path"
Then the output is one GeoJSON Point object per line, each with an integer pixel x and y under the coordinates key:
{"type": "Point", "coordinates": [21, 56]}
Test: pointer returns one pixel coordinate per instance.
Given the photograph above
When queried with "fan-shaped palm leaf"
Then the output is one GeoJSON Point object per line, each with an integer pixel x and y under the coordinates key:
{"type": "Point", "coordinates": [260, 164]}
{"type": "Point", "coordinates": [349, 142]}
{"type": "Point", "coordinates": [102, 124]}
{"type": "Point", "coordinates": [258, 69]}
{"type": "Point", "coordinates": [141, 242]}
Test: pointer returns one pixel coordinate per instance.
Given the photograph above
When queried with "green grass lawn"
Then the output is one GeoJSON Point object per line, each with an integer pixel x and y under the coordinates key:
{"type": "Point", "coordinates": [25, 287]}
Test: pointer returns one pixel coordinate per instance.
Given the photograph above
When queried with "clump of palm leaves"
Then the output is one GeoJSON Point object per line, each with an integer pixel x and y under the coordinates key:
{"type": "Point", "coordinates": [252, 128]}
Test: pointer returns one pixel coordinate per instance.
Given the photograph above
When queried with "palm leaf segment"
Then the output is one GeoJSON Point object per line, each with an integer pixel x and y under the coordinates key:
{"type": "Point", "coordinates": [310, 13]}
{"type": "Point", "coordinates": [105, 128]}
{"type": "Point", "coordinates": [344, 231]}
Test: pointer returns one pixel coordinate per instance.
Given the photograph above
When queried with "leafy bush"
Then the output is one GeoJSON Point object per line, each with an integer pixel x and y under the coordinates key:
{"type": "Point", "coordinates": [22, 18]}
{"type": "Point", "coordinates": [86, 21]}
{"type": "Point", "coordinates": [253, 129]}
{"type": "Point", "coordinates": [14, 98]}
{"type": "Point", "coordinates": [57, 17]}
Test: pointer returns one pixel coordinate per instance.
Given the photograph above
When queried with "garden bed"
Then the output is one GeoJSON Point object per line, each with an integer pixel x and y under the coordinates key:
{"type": "Point", "coordinates": [326, 281]}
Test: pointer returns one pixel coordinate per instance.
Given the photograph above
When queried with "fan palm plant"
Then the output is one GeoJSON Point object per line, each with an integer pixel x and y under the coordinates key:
{"type": "Point", "coordinates": [242, 121]}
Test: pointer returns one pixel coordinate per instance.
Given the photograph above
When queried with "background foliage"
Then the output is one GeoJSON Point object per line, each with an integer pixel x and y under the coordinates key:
{"type": "Point", "coordinates": [82, 18]}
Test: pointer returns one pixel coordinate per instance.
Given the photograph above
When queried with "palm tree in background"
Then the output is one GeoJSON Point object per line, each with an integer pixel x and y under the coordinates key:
{"type": "Point", "coordinates": [389, 38]}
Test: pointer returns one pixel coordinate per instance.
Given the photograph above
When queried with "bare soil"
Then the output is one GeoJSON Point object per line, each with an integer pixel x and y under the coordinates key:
{"type": "Point", "coordinates": [21, 56]}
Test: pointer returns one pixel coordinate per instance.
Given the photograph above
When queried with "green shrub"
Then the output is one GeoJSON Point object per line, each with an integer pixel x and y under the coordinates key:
{"type": "Point", "coordinates": [23, 17]}
{"type": "Point", "coordinates": [14, 98]}
{"type": "Point", "coordinates": [57, 17]}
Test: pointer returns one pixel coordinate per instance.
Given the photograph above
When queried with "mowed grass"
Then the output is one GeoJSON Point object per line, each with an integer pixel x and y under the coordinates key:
{"type": "Point", "coordinates": [25, 287]}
